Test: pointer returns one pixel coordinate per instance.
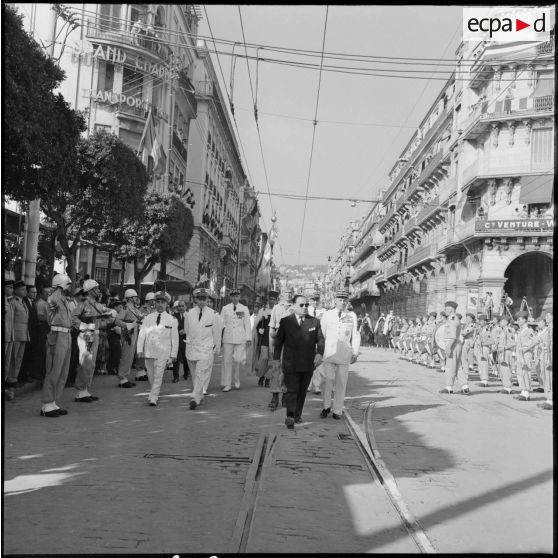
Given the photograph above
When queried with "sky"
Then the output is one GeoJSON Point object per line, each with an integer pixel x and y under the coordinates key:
{"type": "Point", "coordinates": [348, 160]}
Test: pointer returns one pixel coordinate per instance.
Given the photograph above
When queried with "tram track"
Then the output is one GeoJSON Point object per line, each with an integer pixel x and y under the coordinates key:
{"type": "Point", "coordinates": [369, 450]}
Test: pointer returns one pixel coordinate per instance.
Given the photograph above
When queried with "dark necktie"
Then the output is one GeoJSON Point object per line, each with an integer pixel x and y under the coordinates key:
{"type": "Point", "coordinates": [301, 320]}
{"type": "Point", "coordinates": [234, 307]}
{"type": "Point", "coordinates": [340, 314]}
{"type": "Point", "coordinates": [199, 319]}
{"type": "Point", "coordinates": [158, 319]}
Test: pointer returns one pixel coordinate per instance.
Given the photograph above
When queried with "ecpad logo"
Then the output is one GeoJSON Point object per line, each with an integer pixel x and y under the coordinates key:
{"type": "Point", "coordinates": [507, 24]}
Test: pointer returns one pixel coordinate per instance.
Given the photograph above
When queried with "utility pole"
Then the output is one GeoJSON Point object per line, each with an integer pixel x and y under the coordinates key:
{"type": "Point", "coordinates": [33, 217]}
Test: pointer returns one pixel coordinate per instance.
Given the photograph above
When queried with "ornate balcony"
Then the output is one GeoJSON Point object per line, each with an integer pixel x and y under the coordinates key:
{"type": "Point", "coordinates": [421, 255]}
{"type": "Point", "coordinates": [369, 268]}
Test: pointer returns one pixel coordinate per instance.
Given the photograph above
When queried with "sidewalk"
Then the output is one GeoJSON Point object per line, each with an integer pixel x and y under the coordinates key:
{"type": "Point", "coordinates": [476, 471]}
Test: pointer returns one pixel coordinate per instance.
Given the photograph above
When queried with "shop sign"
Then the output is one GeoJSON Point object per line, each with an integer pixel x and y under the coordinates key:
{"type": "Point", "coordinates": [514, 224]}
{"type": "Point", "coordinates": [113, 98]}
{"type": "Point", "coordinates": [118, 56]}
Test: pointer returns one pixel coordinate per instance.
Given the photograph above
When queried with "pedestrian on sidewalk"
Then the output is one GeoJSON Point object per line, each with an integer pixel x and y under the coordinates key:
{"type": "Point", "coordinates": [452, 334]}
{"type": "Point", "coordinates": [342, 343]}
{"type": "Point", "coordinates": [203, 340]}
{"type": "Point", "coordinates": [237, 335]}
{"type": "Point", "coordinates": [301, 337]}
{"type": "Point", "coordinates": [180, 315]}
{"type": "Point", "coordinates": [158, 344]}
{"type": "Point", "coordinates": [59, 346]}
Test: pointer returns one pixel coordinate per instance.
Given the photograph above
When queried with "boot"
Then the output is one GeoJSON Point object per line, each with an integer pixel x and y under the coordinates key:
{"type": "Point", "coordinates": [274, 401]}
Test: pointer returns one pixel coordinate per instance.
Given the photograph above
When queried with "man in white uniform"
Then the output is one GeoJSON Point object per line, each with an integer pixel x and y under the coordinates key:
{"type": "Point", "coordinates": [203, 340]}
{"type": "Point", "coordinates": [158, 343]}
{"type": "Point", "coordinates": [237, 334]}
{"type": "Point", "coordinates": [342, 342]}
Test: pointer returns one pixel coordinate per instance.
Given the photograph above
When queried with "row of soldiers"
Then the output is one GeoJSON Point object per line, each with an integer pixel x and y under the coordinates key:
{"type": "Point", "coordinates": [501, 347]}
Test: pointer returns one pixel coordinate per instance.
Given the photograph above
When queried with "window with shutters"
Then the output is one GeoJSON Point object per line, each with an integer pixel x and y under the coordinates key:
{"type": "Point", "coordinates": [542, 146]}
{"type": "Point", "coordinates": [105, 81]}
{"type": "Point", "coordinates": [109, 17]}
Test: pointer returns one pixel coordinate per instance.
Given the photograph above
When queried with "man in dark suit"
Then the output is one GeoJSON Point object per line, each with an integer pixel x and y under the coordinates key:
{"type": "Point", "coordinates": [300, 338]}
{"type": "Point", "coordinates": [179, 312]}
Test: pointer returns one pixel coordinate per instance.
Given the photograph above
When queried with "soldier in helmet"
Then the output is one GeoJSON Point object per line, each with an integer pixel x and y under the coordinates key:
{"type": "Point", "coordinates": [86, 317]}
{"type": "Point", "coordinates": [505, 346]}
{"type": "Point", "coordinates": [59, 344]}
{"type": "Point", "coordinates": [452, 335]}
{"type": "Point", "coordinates": [132, 316]}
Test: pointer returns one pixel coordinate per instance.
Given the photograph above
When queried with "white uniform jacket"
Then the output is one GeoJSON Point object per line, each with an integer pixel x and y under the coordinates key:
{"type": "Point", "coordinates": [342, 339]}
{"type": "Point", "coordinates": [236, 324]}
{"type": "Point", "coordinates": [158, 341]}
{"type": "Point", "coordinates": [202, 336]}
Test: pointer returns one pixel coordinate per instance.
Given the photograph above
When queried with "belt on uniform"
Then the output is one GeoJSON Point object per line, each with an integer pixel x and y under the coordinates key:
{"type": "Point", "coordinates": [59, 328]}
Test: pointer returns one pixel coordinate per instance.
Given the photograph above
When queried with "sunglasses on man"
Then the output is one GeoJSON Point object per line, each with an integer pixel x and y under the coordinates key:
{"type": "Point", "coordinates": [201, 298]}
{"type": "Point", "coordinates": [304, 305]}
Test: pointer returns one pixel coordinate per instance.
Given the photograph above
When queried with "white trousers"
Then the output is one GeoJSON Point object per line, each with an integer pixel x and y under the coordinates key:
{"type": "Point", "coordinates": [234, 354]}
{"type": "Point", "coordinates": [155, 371]}
{"type": "Point", "coordinates": [201, 374]}
{"type": "Point", "coordinates": [317, 378]}
{"type": "Point", "coordinates": [337, 373]}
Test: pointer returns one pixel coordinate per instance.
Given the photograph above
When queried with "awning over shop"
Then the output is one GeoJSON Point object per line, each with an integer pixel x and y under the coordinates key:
{"type": "Point", "coordinates": [536, 189]}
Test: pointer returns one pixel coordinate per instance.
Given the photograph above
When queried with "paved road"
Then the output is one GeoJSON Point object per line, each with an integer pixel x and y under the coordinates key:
{"type": "Point", "coordinates": [118, 476]}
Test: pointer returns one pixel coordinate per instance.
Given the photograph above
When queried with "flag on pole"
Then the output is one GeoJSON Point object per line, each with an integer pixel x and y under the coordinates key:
{"type": "Point", "coordinates": [150, 146]}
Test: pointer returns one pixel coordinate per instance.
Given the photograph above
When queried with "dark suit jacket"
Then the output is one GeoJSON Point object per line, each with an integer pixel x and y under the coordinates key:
{"type": "Point", "coordinates": [300, 343]}
{"type": "Point", "coordinates": [180, 318]}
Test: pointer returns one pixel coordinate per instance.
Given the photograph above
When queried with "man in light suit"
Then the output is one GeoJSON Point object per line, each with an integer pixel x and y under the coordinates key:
{"type": "Point", "coordinates": [237, 334]}
{"type": "Point", "coordinates": [158, 343]}
{"type": "Point", "coordinates": [21, 332]}
{"type": "Point", "coordinates": [300, 338]}
{"type": "Point", "coordinates": [203, 340]}
{"type": "Point", "coordinates": [342, 343]}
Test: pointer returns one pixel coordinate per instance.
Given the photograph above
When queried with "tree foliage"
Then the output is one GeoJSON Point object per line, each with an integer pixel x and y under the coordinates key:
{"type": "Point", "coordinates": [163, 232]}
{"type": "Point", "coordinates": [40, 130]}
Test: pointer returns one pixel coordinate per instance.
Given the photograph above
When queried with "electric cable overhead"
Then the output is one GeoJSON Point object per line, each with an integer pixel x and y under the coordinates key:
{"type": "Point", "coordinates": [313, 140]}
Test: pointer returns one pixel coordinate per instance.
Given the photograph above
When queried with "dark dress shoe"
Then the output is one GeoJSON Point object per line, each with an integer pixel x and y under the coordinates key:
{"type": "Point", "coordinates": [290, 422]}
{"type": "Point", "coordinates": [522, 398]}
{"type": "Point", "coordinates": [325, 412]}
{"type": "Point", "coordinates": [446, 391]}
{"type": "Point", "coordinates": [127, 385]}
{"type": "Point", "coordinates": [298, 420]}
{"type": "Point", "coordinates": [273, 404]}
{"type": "Point", "coordinates": [86, 399]}
{"type": "Point", "coordinates": [538, 390]}
{"type": "Point", "coordinates": [51, 414]}
{"type": "Point", "coordinates": [261, 381]}
{"type": "Point", "coordinates": [546, 406]}
{"type": "Point", "coordinates": [151, 404]}
{"type": "Point", "coordinates": [193, 404]}
{"type": "Point", "coordinates": [465, 391]}
{"type": "Point", "coordinates": [335, 416]}
{"type": "Point", "coordinates": [142, 379]}
{"type": "Point", "coordinates": [507, 392]}
{"type": "Point", "coordinates": [62, 412]}
{"type": "Point", "coordinates": [94, 398]}
{"type": "Point", "coordinates": [11, 383]}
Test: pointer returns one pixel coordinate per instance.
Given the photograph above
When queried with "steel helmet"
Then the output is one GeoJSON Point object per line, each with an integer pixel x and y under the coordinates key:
{"type": "Point", "coordinates": [150, 296]}
{"type": "Point", "coordinates": [130, 293]}
{"type": "Point", "coordinates": [89, 284]}
{"type": "Point", "coordinates": [61, 280]}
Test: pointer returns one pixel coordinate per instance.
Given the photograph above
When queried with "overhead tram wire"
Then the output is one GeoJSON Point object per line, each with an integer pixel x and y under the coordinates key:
{"type": "Point", "coordinates": [313, 140]}
{"type": "Point", "coordinates": [256, 119]}
{"type": "Point", "coordinates": [305, 52]}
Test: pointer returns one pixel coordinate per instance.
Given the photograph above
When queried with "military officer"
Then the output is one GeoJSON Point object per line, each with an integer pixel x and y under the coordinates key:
{"type": "Point", "coordinates": [237, 334]}
{"type": "Point", "coordinates": [158, 343]}
{"type": "Point", "coordinates": [283, 308]}
{"type": "Point", "coordinates": [20, 332]}
{"type": "Point", "coordinates": [524, 355]}
{"type": "Point", "coordinates": [86, 317]}
{"type": "Point", "coordinates": [8, 331]}
{"type": "Point", "coordinates": [133, 317]}
{"type": "Point", "coordinates": [59, 345]}
{"type": "Point", "coordinates": [505, 346]}
{"type": "Point", "coordinates": [452, 334]}
{"type": "Point", "coordinates": [342, 343]}
{"type": "Point", "coordinates": [203, 340]}
{"type": "Point", "coordinates": [211, 303]}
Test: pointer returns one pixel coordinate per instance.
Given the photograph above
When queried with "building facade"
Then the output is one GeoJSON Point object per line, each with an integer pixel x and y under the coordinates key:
{"type": "Point", "coordinates": [468, 214]}
{"type": "Point", "coordinates": [138, 71]}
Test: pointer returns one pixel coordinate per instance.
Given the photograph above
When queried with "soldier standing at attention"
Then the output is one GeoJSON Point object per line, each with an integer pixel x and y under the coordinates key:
{"type": "Point", "coordinates": [524, 340]}
{"type": "Point", "coordinates": [468, 335]}
{"type": "Point", "coordinates": [452, 349]}
{"type": "Point", "coordinates": [59, 346]}
{"type": "Point", "coordinates": [237, 334]}
{"type": "Point", "coordinates": [506, 343]}
{"type": "Point", "coordinates": [545, 341]}
{"type": "Point", "coordinates": [158, 343]}
{"type": "Point", "coordinates": [20, 331]}
{"type": "Point", "coordinates": [8, 334]}
{"type": "Point", "coordinates": [203, 340]}
{"type": "Point", "coordinates": [133, 317]}
{"type": "Point", "coordinates": [485, 344]}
